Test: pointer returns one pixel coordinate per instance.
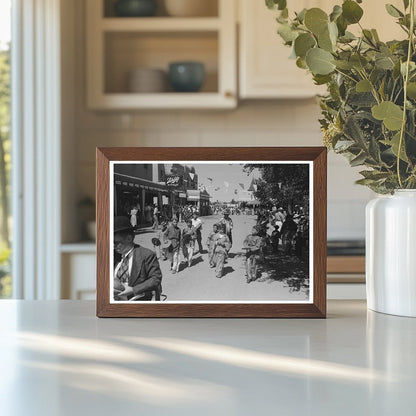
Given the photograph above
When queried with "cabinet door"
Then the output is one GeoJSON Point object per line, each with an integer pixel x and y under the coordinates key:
{"type": "Point", "coordinates": [266, 71]}
{"type": "Point", "coordinates": [78, 276]}
{"type": "Point", "coordinates": [265, 68]}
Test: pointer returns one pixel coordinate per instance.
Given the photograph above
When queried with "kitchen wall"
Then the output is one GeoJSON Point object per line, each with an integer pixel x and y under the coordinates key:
{"type": "Point", "coordinates": [253, 123]}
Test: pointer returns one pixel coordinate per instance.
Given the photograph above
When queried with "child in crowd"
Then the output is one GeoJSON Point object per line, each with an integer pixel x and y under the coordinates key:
{"type": "Point", "coordinates": [211, 244]}
{"type": "Point", "coordinates": [222, 246]}
{"type": "Point", "coordinates": [252, 244]}
{"type": "Point", "coordinates": [173, 234]}
{"type": "Point", "coordinates": [188, 241]}
{"type": "Point", "coordinates": [227, 222]}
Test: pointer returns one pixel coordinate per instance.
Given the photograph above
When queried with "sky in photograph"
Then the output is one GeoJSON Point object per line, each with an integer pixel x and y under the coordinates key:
{"type": "Point", "coordinates": [5, 19]}
{"type": "Point", "coordinates": [227, 177]}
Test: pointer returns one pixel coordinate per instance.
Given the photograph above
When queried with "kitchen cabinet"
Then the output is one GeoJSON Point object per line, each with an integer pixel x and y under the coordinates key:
{"type": "Point", "coordinates": [265, 70]}
{"type": "Point", "coordinates": [78, 278]}
{"type": "Point", "coordinates": [118, 45]}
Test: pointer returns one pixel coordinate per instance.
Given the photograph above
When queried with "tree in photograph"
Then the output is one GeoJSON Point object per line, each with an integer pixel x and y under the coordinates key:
{"type": "Point", "coordinates": [4, 142]}
{"type": "Point", "coordinates": [286, 185]}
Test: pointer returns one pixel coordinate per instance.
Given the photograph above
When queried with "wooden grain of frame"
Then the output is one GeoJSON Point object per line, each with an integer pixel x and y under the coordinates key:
{"type": "Point", "coordinates": [317, 309]}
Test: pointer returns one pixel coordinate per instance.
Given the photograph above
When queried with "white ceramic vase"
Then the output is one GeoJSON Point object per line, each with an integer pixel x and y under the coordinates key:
{"type": "Point", "coordinates": [391, 253]}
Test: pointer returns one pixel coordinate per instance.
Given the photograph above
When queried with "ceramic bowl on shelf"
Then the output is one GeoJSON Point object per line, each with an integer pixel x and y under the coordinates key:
{"type": "Point", "coordinates": [135, 8]}
{"type": "Point", "coordinates": [147, 80]}
{"type": "Point", "coordinates": [191, 8]}
{"type": "Point", "coordinates": [186, 76]}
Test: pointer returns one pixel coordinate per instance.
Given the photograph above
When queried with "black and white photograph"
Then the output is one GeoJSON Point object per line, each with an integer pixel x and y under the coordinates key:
{"type": "Point", "coordinates": [211, 232]}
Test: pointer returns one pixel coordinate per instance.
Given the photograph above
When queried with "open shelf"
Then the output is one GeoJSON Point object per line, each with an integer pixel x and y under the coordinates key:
{"type": "Point", "coordinates": [127, 51]}
{"type": "Point", "coordinates": [116, 46]}
{"type": "Point", "coordinates": [210, 9]}
{"type": "Point", "coordinates": [160, 24]}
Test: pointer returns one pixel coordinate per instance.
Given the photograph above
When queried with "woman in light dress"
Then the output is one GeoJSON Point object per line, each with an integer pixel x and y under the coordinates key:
{"type": "Point", "coordinates": [133, 216]}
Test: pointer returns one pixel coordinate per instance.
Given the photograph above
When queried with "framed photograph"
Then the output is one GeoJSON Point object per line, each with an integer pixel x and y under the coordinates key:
{"type": "Point", "coordinates": [211, 232]}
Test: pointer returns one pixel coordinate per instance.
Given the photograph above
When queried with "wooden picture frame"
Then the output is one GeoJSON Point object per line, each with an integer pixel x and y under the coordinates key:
{"type": "Point", "coordinates": [309, 159]}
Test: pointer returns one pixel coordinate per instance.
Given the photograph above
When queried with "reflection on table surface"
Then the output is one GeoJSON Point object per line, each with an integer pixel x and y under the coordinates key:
{"type": "Point", "coordinates": [354, 362]}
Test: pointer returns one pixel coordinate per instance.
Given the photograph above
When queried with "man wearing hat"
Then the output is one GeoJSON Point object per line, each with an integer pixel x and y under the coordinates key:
{"type": "Point", "coordinates": [137, 275]}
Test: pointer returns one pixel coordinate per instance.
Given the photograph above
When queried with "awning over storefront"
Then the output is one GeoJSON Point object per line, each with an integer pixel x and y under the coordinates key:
{"type": "Point", "coordinates": [196, 195]}
{"type": "Point", "coordinates": [193, 195]}
{"type": "Point", "coordinates": [139, 183]}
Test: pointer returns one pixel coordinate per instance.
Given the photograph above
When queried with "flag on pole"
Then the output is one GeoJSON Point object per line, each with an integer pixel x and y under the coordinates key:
{"type": "Point", "coordinates": [210, 179]}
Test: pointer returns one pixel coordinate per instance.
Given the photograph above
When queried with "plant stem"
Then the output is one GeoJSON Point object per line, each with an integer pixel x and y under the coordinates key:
{"type": "Point", "coordinates": [405, 81]}
{"type": "Point", "coordinates": [346, 75]}
{"type": "Point", "coordinates": [373, 88]}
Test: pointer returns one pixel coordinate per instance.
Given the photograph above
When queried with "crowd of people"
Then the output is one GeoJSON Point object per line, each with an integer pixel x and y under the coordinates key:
{"type": "Point", "coordinates": [174, 244]}
{"type": "Point", "coordinates": [276, 231]}
{"type": "Point", "coordinates": [290, 231]}
{"type": "Point", "coordinates": [155, 216]}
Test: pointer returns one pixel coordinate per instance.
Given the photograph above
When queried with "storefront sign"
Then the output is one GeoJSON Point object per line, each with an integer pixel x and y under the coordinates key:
{"type": "Point", "coordinates": [173, 180]}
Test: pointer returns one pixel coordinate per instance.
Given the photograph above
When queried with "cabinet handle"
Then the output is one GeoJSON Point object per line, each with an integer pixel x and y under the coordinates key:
{"type": "Point", "coordinates": [229, 94]}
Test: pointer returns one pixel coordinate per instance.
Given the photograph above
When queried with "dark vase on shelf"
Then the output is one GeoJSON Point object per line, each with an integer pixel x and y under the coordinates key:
{"type": "Point", "coordinates": [135, 8]}
{"type": "Point", "coordinates": [186, 76]}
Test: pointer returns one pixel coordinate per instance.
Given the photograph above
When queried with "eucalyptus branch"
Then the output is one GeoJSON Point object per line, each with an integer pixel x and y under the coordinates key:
{"type": "Point", "coordinates": [392, 91]}
{"type": "Point", "coordinates": [398, 94]}
{"type": "Point", "coordinates": [373, 88]}
{"type": "Point", "coordinates": [406, 79]}
{"type": "Point", "coordinates": [404, 28]}
{"type": "Point", "coordinates": [346, 75]}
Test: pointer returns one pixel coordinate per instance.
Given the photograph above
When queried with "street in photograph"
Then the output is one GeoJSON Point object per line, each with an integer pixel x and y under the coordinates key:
{"type": "Point", "coordinates": [211, 232]}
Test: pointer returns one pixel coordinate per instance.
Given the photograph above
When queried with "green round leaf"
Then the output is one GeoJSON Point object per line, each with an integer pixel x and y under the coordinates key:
{"type": "Point", "coordinates": [325, 42]}
{"type": "Point", "coordinates": [351, 11]}
{"type": "Point", "coordinates": [358, 61]}
{"type": "Point", "coordinates": [393, 11]}
{"type": "Point", "coordinates": [391, 114]}
{"type": "Point", "coordinates": [333, 32]}
{"type": "Point", "coordinates": [301, 63]}
{"type": "Point", "coordinates": [287, 33]}
{"type": "Point", "coordinates": [303, 43]}
{"type": "Point", "coordinates": [411, 90]}
{"type": "Point", "coordinates": [319, 61]}
{"type": "Point", "coordinates": [276, 4]}
{"type": "Point", "coordinates": [344, 65]}
{"type": "Point", "coordinates": [395, 144]}
{"type": "Point", "coordinates": [342, 25]}
{"type": "Point", "coordinates": [363, 86]}
{"type": "Point", "coordinates": [316, 20]}
{"type": "Point", "coordinates": [336, 12]}
{"type": "Point", "coordinates": [322, 79]}
{"type": "Point", "coordinates": [384, 62]}
{"type": "Point", "coordinates": [301, 15]}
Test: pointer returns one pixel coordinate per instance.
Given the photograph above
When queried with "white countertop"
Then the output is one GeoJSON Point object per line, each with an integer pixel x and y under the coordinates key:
{"type": "Point", "coordinates": [57, 358]}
